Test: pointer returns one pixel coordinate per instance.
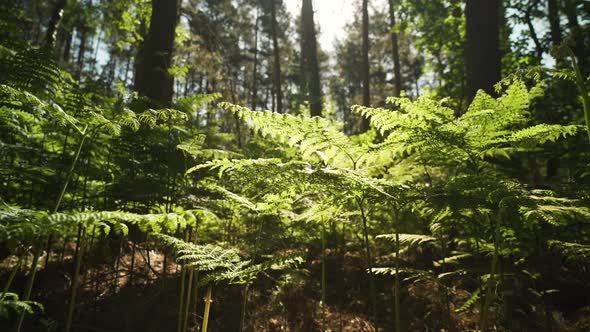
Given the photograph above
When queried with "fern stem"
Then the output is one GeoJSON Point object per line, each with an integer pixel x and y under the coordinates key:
{"type": "Point", "coordinates": [396, 281]}
{"type": "Point", "coordinates": [254, 255]}
{"type": "Point", "coordinates": [443, 265]}
{"type": "Point", "coordinates": [323, 278]}
{"type": "Point", "coordinates": [41, 240]}
{"type": "Point", "coordinates": [11, 277]}
{"type": "Point", "coordinates": [188, 298]}
{"type": "Point", "coordinates": [132, 264]}
{"type": "Point", "coordinates": [65, 187]}
{"type": "Point", "coordinates": [117, 260]}
{"type": "Point", "coordinates": [195, 296]}
{"type": "Point", "coordinates": [207, 307]}
{"type": "Point", "coordinates": [31, 279]}
{"type": "Point", "coordinates": [70, 171]}
{"type": "Point", "coordinates": [369, 259]}
{"type": "Point", "coordinates": [74, 287]}
{"type": "Point", "coordinates": [489, 284]}
{"type": "Point", "coordinates": [244, 305]}
{"type": "Point", "coordinates": [181, 297]}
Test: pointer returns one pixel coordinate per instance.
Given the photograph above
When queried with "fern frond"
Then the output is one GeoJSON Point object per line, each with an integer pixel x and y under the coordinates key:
{"type": "Point", "coordinates": [469, 303]}
{"type": "Point", "coordinates": [316, 138]}
{"type": "Point", "coordinates": [407, 239]}
{"type": "Point", "coordinates": [10, 304]}
{"type": "Point", "coordinates": [573, 252]}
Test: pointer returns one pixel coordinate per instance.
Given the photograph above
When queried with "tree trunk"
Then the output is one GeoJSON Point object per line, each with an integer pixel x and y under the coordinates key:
{"type": "Point", "coordinates": [255, 69]}
{"type": "Point", "coordinates": [365, 67]}
{"type": "Point", "coordinates": [277, 58]}
{"type": "Point", "coordinates": [576, 34]}
{"type": "Point", "coordinates": [310, 59]}
{"type": "Point", "coordinates": [529, 22]}
{"type": "Point", "coordinates": [553, 10]}
{"type": "Point", "coordinates": [483, 59]}
{"type": "Point", "coordinates": [155, 55]}
{"type": "Point", "coordinates": [83, 32]}
{"type": "Point", "coordinates": [54, 21]}
{"type": "Point", "coordinates": [67, 46]}
{"type": "Point", "coordinates": [397, 76]}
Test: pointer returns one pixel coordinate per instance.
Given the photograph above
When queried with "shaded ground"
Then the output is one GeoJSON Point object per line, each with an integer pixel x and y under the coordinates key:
{"type": "Point", "coordinates": [145, 301]}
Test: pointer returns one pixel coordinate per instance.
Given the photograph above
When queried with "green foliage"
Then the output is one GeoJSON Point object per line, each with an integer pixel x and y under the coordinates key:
{"type": "Point", "coordinates": [458, 185]}
{"type": "Point", "coordinates": [217, 264]}
{"type": "Point", "coordinates": [573, 252]}
{"type": "Point", "coordinates": [490, 127]}
{"type": "Point", "coordinates": [407, 239]}
{"type": "Point", "coordinates": [10, 305]}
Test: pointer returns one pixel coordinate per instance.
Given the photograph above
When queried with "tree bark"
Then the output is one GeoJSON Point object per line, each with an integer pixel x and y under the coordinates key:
{"type": "Point", "coordinates": [277, 58]}
{"type": "Point", "coordinates": [529, 22]}
{"type": "Point", "coordinates": [54, 21]}
{"type": "Point", "coordinates": [365, 69]}
{"type": "Point", "coordinates": [255, 69]}
{"type": "Point", "coordinates": [155, 55]}
{"type": "Point", "coordinates": [483, 58]}
{"type": "Point", "coordinates": [310, 59]}
{"type": "Point", "coordinates": [553, 10]}
{"type": "Point", "coordinates": [67, 46]}
{"type": "Point", "coordinates": [83, 32]}
{"type": "Point", "coordinates": [576, 35]}
{"type": "Point", "coordinates": [397, 76]}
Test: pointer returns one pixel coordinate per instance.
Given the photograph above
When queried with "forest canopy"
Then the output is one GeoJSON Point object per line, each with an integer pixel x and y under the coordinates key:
{"type": "Point", "coordinates": [194, 165]}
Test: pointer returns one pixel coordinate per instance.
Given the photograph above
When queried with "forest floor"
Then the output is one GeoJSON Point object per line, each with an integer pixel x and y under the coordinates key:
{"type": "Point", "coordinates": [145, 301]}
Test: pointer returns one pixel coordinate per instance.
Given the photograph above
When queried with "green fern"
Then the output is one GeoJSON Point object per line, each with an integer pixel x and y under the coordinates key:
{"type": "Point", "coordinates": [10, 305]}
{"type": "Point", "coordinates": [222, 265]}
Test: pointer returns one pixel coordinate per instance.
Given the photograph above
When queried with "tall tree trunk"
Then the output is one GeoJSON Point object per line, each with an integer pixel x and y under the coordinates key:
{"type": "Point", "coordinates": [397, 76]}
{"type": "Point", "coordinates": [553, 10]}
{"type": "Point", "coordinates": [83, 32]}
{"type": "Point", "coordinates": [54, 22]}
{"type": "Point", "coordinates": [365, 67]}
{"type": "Point", "coordinates": [67, 46]}
{"type": "Point", "coordinates": [576, 35]}
{"type": "Point", "coordinates": [255, 69]}
{"type": "Point", "coordinates": [155, 56]}
{"type": "Point", "coordinates": [310, 59]}
{"type": "Point", "coordinates": [483, 58]}
{"type": "Point", "coordinates": [277, 58]}
{"type": "Point", "coordinates": [529, 22]}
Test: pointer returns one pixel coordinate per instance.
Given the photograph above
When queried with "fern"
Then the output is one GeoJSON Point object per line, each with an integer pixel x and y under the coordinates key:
{"type": "Point", "coordinates": [218, 264]}
{"type": "Point", "coordinates": [408, 239]}
{"type": "Point", "coordinates": [572, 252]}
{"type": "Point", "coordinates": [11, 305]}
{"type": "Point", "coordinates": [429, 128]}
{"type": "Point", "coordinates": [469, 303]}
{"type": "Point", "coordinates": [316, 138]}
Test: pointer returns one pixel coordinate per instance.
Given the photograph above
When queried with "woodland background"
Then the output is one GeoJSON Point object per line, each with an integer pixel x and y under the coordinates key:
{"type": "Point", "coordinates": [430, 173]}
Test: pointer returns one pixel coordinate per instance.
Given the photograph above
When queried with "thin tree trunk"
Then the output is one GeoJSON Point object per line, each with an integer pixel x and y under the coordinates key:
{"type": "Point", "coordinates": [67, 46]}
{"type": "Point", "coordinates": [553, 11]}
{"type": "Point", "coordinates": [81, 52]}
{"type": "Point", "coordinates": [397, 76]}
{"type": "Point", "coordinates": [577, 35]}
{"type": "Point", "coordinates": [365, 66]}
{"type": "Point", "coordinates": [310, 59]}
{"type": "Point", "coordinates": [532, 31]}
{"type": "Point", "coordinates": [255, 69]}
{"type": "Point", "coordinates": [277, 58]}
{"type": "Point", "coordinates": [54, 22]}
